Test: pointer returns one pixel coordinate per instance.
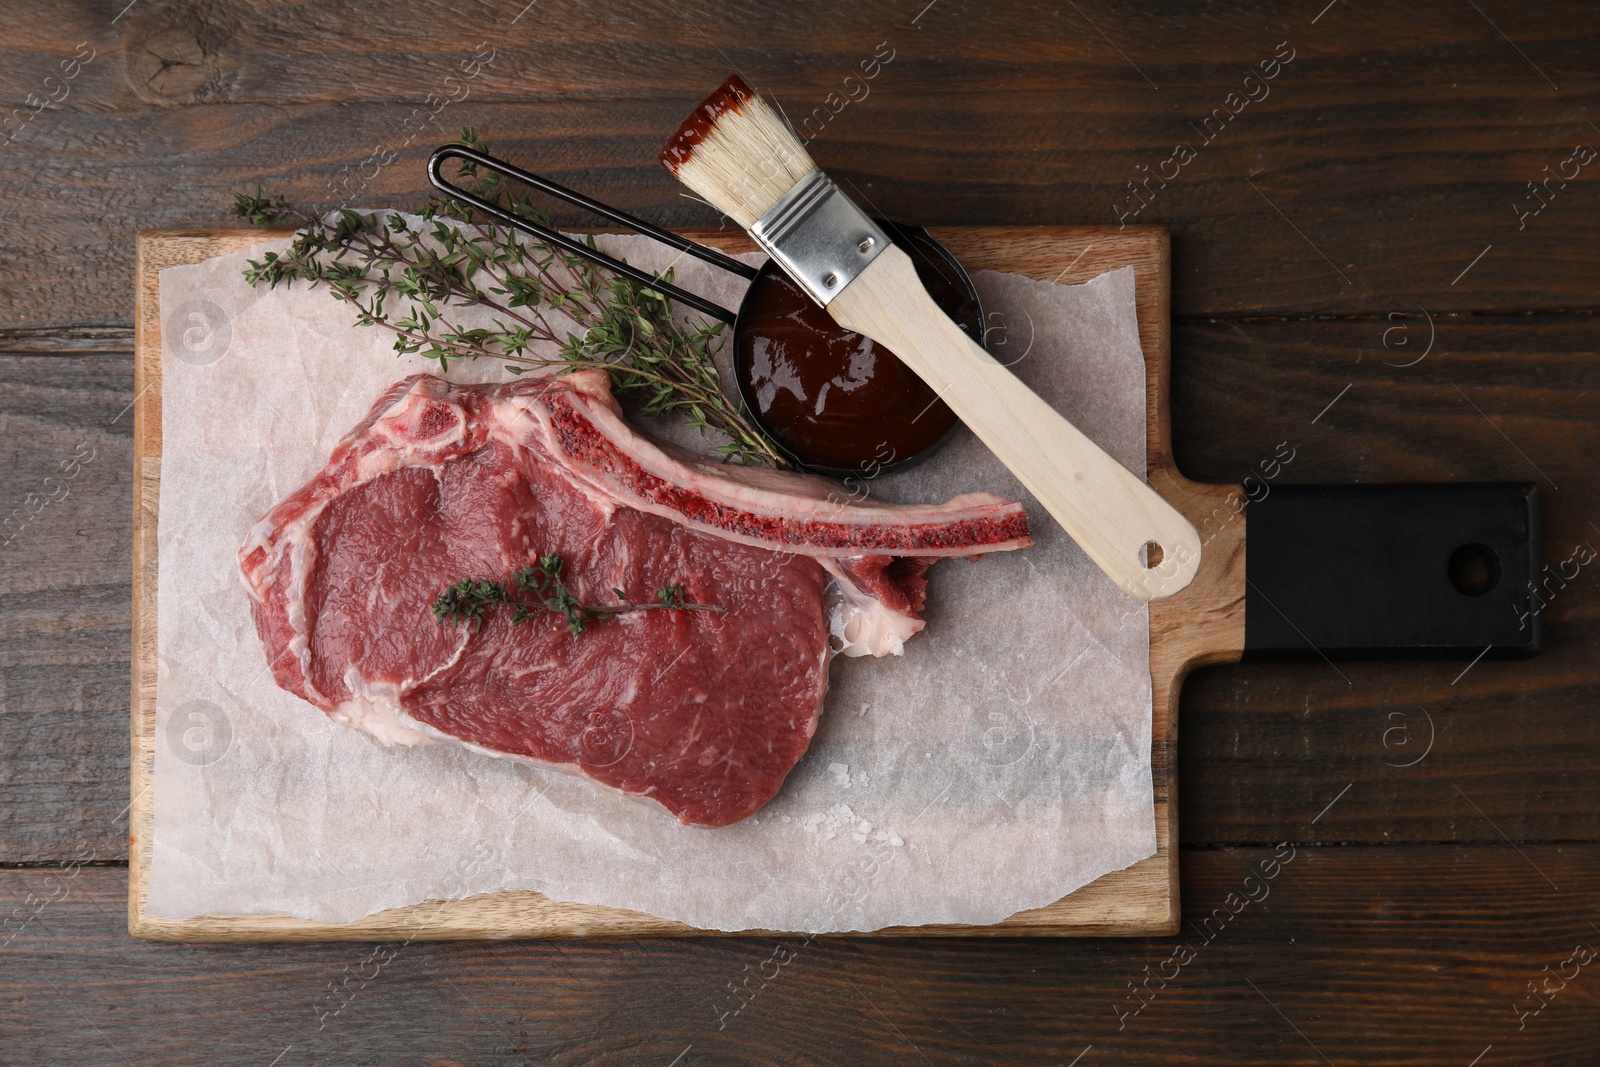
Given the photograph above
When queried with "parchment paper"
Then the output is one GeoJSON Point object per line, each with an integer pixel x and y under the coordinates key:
{"type": "Point", "coordinates": [1001, 763]}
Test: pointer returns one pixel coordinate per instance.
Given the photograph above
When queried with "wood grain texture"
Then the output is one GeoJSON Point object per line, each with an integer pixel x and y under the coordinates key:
{"type": "Point", "coordinates": [1420, 742]}
{"type": "Point", "coordinates": [1397, 955]}
{"type": "Point", "coordinates": [1400, 142]}
{"type": "Point", "coordinates": [1141, 899]}
{"type": "Point", "coordinates": [1389, 153]}
{"type": "Point", "coordinates": [65, 442]}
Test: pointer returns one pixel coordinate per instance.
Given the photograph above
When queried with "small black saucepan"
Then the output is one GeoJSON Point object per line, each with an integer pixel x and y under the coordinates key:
{"type": "Point", "coordinates": [833, 401]}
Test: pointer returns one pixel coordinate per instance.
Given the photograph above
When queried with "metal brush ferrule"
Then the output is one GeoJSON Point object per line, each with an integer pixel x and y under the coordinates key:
{"type": "Point", "coordinates": [819, 236]}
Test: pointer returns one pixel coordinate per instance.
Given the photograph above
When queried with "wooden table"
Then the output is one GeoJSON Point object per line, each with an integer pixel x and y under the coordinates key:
{"type": "Point", "coordinates": [1362, 270]}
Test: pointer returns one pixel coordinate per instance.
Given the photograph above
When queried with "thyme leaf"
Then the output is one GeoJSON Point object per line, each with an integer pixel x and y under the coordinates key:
{"type": "Point", "coordinates": [466, 600]}
{"type": "Point", "coordinates": [414, 280]}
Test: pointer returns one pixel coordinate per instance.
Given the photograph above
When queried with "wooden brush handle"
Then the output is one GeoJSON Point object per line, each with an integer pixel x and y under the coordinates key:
{"type": "Point", "coordinates": [1111, 513]}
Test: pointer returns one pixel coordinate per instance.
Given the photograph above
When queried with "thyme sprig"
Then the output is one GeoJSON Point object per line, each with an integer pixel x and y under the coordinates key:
{"type": "Point", "coordinates": [467, 599]}
{"type": "Point", "coordinates": [413, 281]}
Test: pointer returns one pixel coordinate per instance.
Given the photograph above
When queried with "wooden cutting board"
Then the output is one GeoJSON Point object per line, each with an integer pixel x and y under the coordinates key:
{"type": "Point", "coordinates": [1204, 624]}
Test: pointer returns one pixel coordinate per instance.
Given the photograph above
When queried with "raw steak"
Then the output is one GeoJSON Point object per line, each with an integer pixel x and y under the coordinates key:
{"type": "Point", "coordinates": [703, 712]}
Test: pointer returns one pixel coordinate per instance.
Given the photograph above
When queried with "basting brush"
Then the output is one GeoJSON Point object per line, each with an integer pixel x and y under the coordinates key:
{"type": "Point", "coordinates": [742, 157]}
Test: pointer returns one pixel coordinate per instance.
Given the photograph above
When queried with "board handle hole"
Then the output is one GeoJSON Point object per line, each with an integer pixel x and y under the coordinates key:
{"type": "Point", "coordinates": [1474, 569]}
{"type": "Point", "coordinates": [1153, 555]}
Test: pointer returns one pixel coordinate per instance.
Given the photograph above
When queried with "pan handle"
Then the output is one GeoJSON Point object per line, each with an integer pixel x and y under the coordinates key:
{"type": "Point", "coordinates": [578, 248]}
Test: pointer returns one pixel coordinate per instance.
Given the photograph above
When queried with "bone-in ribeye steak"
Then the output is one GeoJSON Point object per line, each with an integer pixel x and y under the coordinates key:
{"type": "Point", "coordinates": [703, 712]}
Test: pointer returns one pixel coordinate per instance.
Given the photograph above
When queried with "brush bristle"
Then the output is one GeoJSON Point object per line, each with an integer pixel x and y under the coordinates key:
{"type": "Point", "coordinates": [737, 152]}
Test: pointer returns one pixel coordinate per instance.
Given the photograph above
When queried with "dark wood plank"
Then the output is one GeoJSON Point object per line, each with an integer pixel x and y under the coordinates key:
{"type": "Point", "coordinates": [65, 590]}
{"type": "Point", "coordinates": [1261, 743]}
{"type": "Point", "coordinates": [1400, 955]}
{"type": "Point", "coordinates": [1388, 154]}
{"type": "Point", "coordinates": [1398, 142]}
{"type": "Point", "coordinates": [25, 340]}
{"type": "Point", "coordinates": [1263, 746]}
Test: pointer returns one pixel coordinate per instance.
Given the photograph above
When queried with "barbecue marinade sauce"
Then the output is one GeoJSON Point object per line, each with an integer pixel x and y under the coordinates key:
{"type": "Point", "coordinates": [837, 401]}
